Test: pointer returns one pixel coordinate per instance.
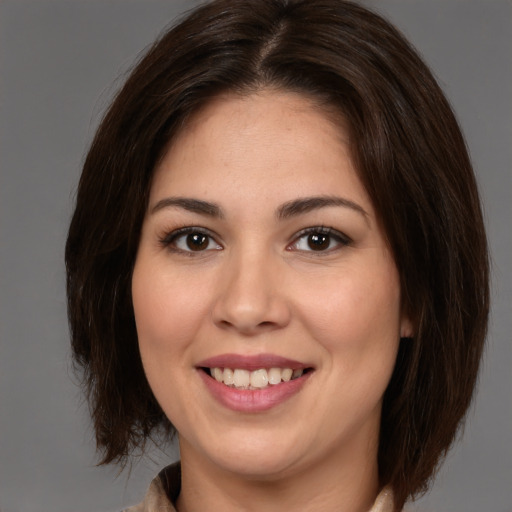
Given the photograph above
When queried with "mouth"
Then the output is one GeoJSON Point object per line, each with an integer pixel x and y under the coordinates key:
{"type": "Point", "coordinates": [253, 383]}
{"type": "Point", "coordinates": [261, 378]}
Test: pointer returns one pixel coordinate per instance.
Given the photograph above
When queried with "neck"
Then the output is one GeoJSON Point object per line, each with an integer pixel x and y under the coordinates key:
{"type": "Point", "coordinates": [330, 485]}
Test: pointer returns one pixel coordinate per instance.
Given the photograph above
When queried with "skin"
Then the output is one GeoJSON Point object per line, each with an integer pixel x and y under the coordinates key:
{"type": "Point", "coordinates": [258, 287]}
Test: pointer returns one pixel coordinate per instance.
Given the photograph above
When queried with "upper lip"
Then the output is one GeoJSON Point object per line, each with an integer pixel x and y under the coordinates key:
{"type": "Point", "coordinates": [251, 362]}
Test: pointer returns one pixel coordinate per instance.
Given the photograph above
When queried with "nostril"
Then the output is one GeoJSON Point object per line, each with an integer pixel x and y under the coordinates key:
{"type": "Point", "coordinates": [250, 308]}
{"type": "Point", "coordinates": [247, 326]}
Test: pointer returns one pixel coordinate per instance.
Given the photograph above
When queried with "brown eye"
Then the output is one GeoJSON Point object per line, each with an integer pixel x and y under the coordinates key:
{"type": "Point", "coordinates": [197, 241]}
{"type": "Point", "coordinates": [190, 240]}
{"type": "Point", "coordinates": [318, 241]}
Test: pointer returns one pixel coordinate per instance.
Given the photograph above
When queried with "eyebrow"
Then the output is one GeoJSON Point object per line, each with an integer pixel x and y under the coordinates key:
{"type": "Point", "coordinates": [308, 204]}
{"type": "Point", "coordinates": [285, 211]}
{"type": "Point", "coordinates": [191, 205]}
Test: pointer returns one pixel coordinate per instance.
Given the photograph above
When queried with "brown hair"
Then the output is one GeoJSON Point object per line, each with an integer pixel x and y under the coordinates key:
{"type": "Point", "coordinates": [410, 155]}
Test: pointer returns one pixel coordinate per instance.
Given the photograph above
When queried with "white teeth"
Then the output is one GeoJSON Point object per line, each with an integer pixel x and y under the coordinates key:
{"type": "Point", "coordinates": [286, 374]}
{"type": "Point", "coordinates": [258, 379]}
{"type": "Point", "coordinates": [218, 374]}
{"type": "Point", "coordinates": [241, 378]}
{"type": "Point", "coordinates": [228, 376]}
{"type": "Point", "coordinates": [274, 376]}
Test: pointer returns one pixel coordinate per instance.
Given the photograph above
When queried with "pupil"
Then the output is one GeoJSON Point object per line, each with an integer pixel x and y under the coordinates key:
{"type": "Point", "coordinates": [197, 241]}
{"type": "Point", "coordinates": [318, 242]}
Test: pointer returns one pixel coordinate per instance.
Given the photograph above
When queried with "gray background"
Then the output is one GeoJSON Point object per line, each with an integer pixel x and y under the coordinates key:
{"type": "Point", "coordinates": [60, 63]}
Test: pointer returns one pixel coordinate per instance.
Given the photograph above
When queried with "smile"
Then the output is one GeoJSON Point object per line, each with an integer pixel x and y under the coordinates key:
{"type": "Point", "coordinates": [253, 383]}
{"type": "Point", "coordinates": [258, 379]}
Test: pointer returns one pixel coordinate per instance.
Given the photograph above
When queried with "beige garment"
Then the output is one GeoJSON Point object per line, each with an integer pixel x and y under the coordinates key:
{"type": "Point", "coordinates": [158, 500]}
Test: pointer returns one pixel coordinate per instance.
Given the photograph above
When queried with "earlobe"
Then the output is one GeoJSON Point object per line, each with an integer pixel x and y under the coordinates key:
{"type": "Point", "coordinates": [406, 327]}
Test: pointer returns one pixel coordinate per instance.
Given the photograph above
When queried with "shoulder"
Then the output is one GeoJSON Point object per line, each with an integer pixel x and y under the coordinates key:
{"type": "Point", "coordinates": [384, 501]}
{"type": "Point", "coordinates": [162, 492]}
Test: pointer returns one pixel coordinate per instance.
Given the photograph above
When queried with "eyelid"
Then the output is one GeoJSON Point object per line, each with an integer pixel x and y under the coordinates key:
{"type": "Point", "coordinates": [170, 237]}
{"type": "Point", "coordinates": [340, 237]}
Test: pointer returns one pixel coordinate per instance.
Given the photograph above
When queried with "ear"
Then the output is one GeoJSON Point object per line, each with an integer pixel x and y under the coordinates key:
{"type": "Point", "coordinates": [406, 327]}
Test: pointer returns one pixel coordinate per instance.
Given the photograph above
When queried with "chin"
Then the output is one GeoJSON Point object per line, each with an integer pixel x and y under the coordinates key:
{"type": "Point", "coordinates": [255, 457]}
{"type": "Point", "coordinates": [261, 468]}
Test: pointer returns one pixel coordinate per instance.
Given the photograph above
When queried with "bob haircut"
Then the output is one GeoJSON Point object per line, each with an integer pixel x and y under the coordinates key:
{"type": "Point", "coordinates": [410, 156]}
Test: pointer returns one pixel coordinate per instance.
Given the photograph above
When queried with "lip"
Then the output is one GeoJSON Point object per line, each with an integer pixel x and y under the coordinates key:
{"type": "Point", "coordinates": [251, 362]}
{"type": "Point", "coordinates": [252, 400]}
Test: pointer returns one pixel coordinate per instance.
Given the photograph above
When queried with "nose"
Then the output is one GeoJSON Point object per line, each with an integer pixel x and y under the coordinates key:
{"type": "Point", "coordinates": [252, 296]}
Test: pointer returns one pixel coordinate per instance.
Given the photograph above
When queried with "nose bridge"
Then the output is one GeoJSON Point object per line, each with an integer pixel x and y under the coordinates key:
{"type": "Point", "coordinates": [250, 296]}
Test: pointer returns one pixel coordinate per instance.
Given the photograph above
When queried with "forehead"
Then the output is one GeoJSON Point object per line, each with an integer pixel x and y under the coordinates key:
{"type": "Point", "coordinates": [260, 142]}
{"type": "Point", "coordinates": [270, 107]}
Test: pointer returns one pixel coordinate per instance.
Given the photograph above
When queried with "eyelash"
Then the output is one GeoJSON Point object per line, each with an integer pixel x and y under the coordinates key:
{"type": "Point", "coordinates": [341, 239]}
{"type": "Point", "coordinates": [169, 239]}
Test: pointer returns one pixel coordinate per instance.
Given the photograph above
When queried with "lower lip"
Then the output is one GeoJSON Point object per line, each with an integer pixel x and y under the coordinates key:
{"type": "Point", "coordinates": [253, 400]}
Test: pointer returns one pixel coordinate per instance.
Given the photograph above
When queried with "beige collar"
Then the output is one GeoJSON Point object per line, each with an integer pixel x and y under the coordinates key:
{"type": "Point", "coordinates": [157, 500]}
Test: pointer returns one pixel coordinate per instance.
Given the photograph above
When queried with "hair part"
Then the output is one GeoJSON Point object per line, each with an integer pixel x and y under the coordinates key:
{"type": "Point", "coordinates": [410, 156]}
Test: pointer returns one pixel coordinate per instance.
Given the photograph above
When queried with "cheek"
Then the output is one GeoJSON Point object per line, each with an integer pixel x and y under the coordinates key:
{"type": "Point", "coordinates": [355, 315]}
{"type": "Point", "coordinates": [167, 310]}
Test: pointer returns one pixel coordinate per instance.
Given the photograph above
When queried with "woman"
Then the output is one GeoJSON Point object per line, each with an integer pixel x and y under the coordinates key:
{"type": "Point", "coordinates": [278, 252]}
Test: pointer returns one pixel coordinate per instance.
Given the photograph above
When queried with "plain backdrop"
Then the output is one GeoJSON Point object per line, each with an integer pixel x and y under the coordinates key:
{"type": "Point", "coordinates": [61, 61]}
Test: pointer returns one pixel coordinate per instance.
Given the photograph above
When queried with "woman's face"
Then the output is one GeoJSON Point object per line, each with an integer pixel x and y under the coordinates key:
{"type": "Point", "coordinates": [261, 256]}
